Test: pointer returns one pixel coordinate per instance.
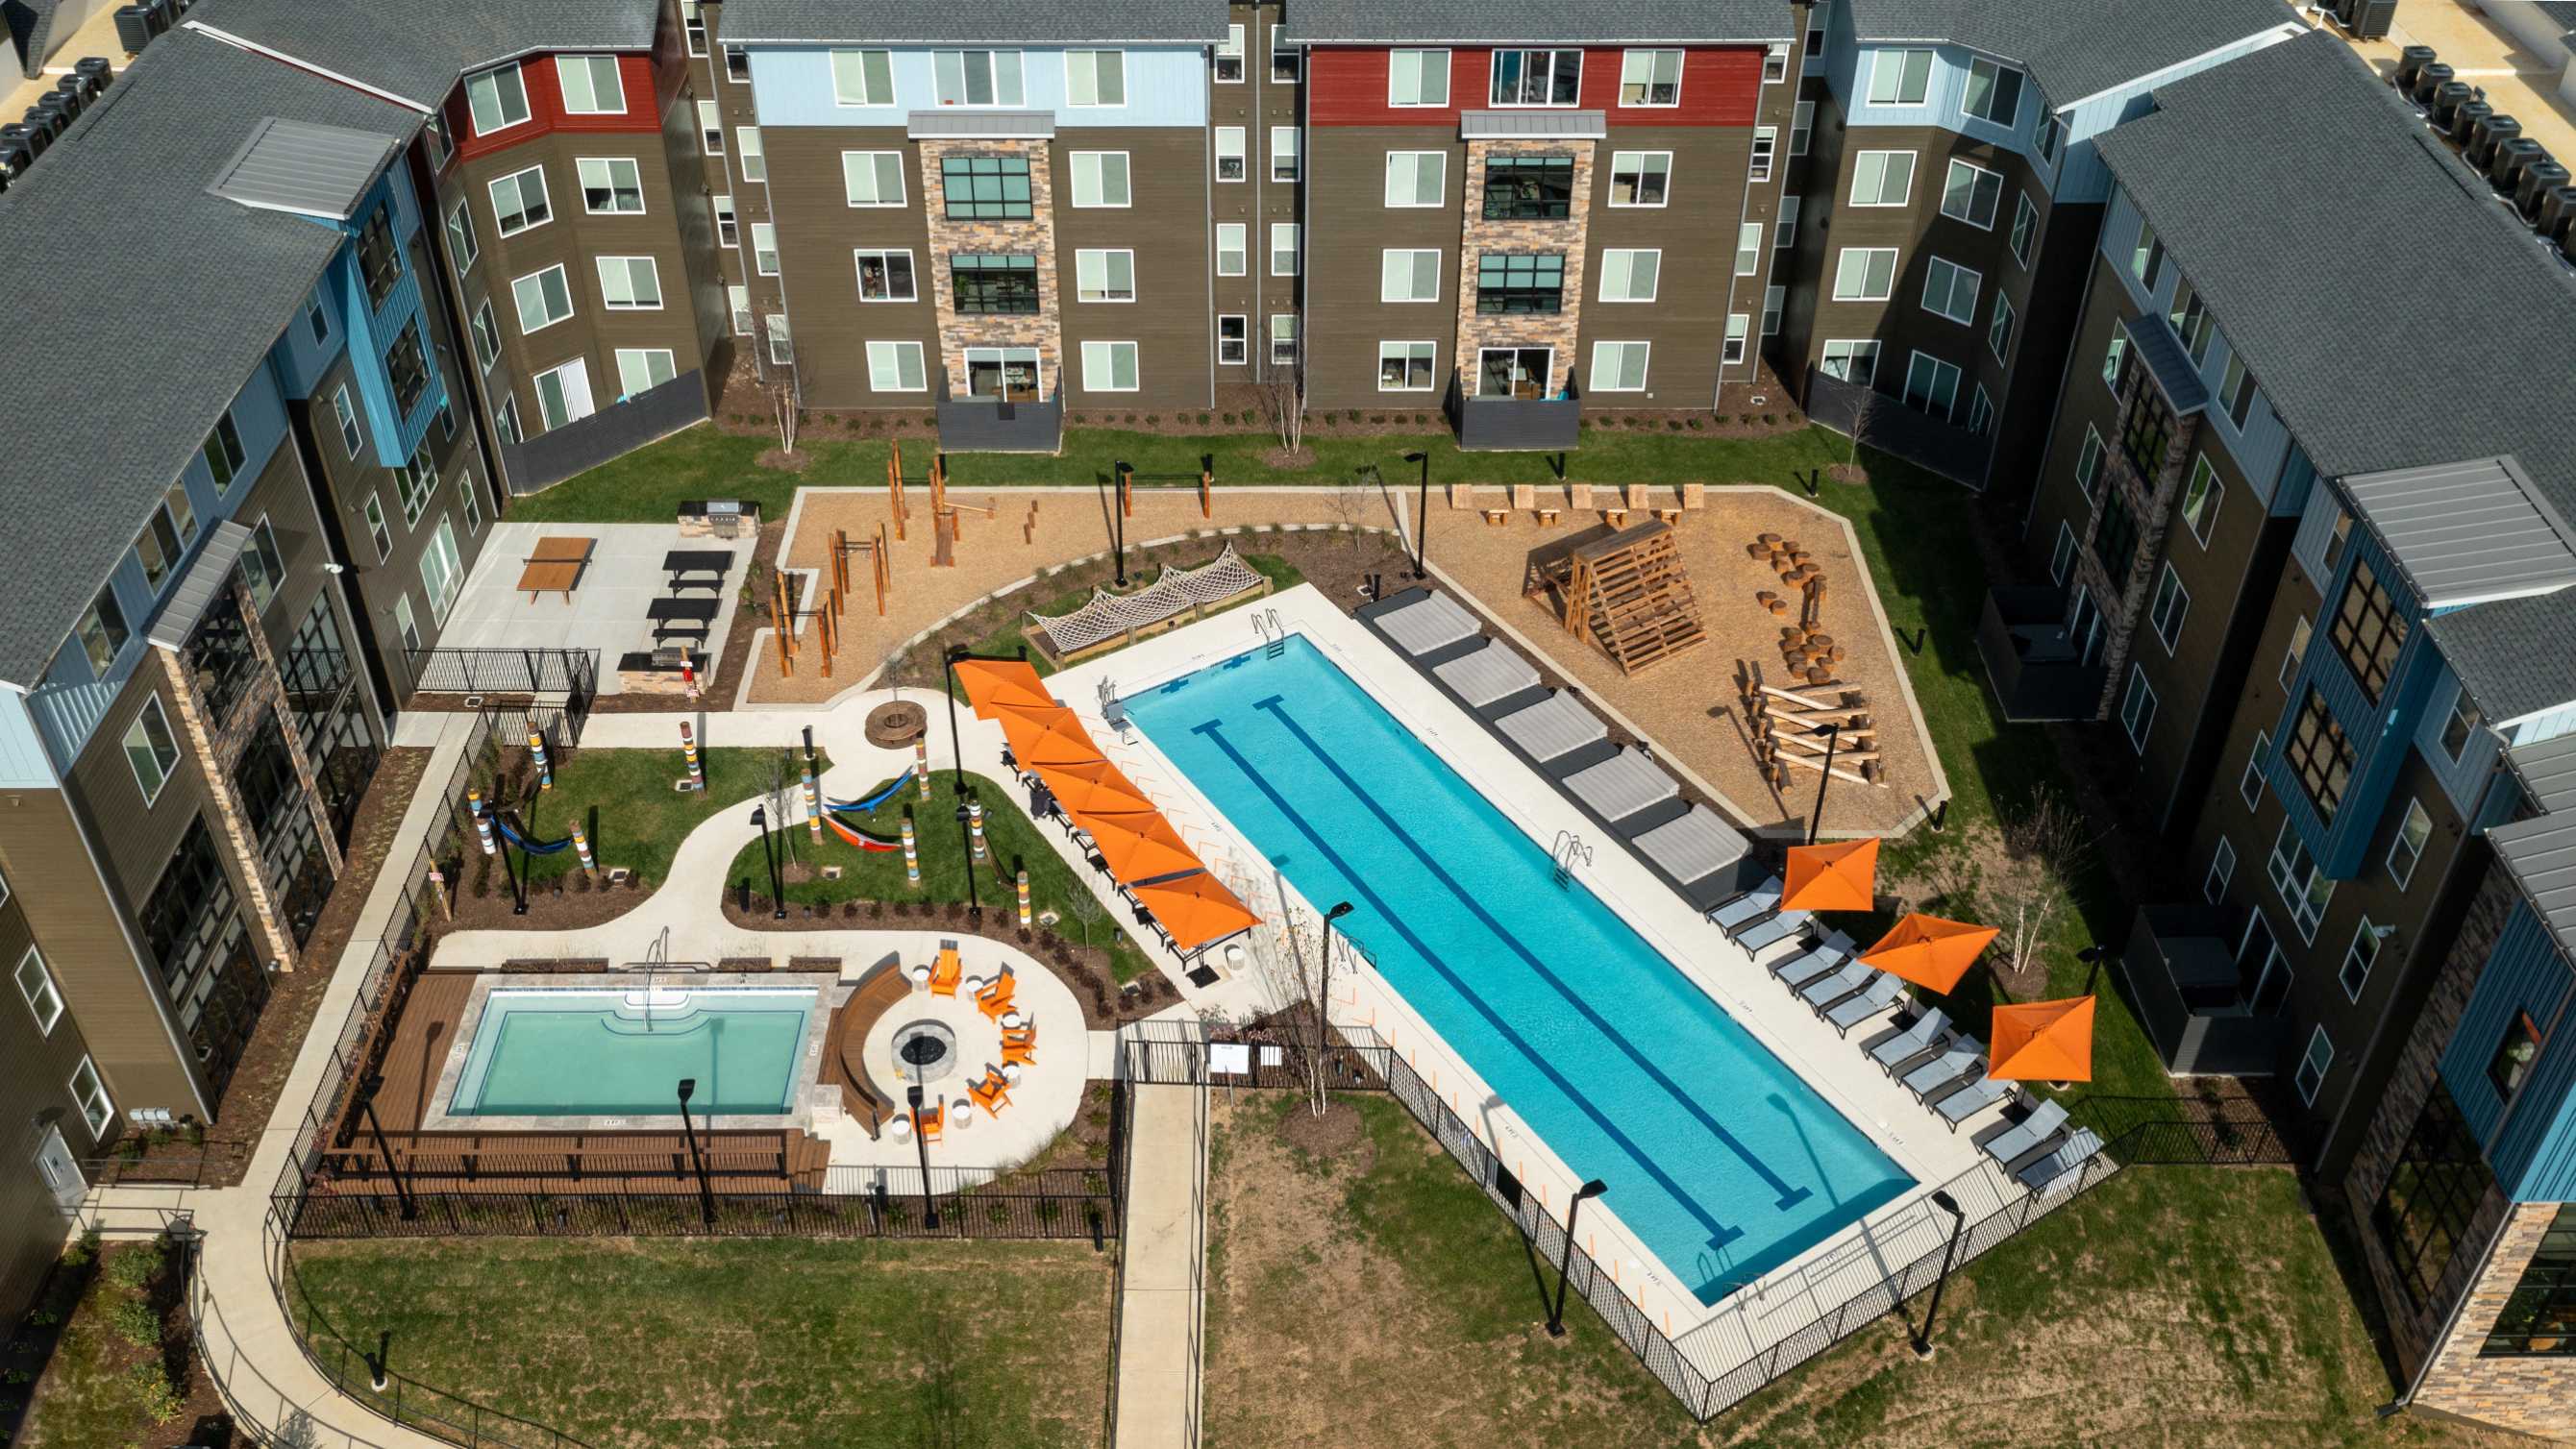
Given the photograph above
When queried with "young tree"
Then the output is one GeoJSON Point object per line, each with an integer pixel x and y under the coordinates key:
{"type": "Point", "coordinates": [2045, 847]}
{"type": "Point", "coordinates": [1286, 407]}
{"type": "Point", "coordinates": [1350, 504]}
{"type": "Point", "coordinates": [783, 401]}
{"type": "Point", "coordinates": [1086, 909]}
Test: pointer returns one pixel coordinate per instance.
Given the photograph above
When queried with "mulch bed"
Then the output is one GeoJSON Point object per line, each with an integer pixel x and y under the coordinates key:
{"type": "Point", "coordinates": [1337, 1133]}
{"type": "Point", "coordinates": [78, 1290]}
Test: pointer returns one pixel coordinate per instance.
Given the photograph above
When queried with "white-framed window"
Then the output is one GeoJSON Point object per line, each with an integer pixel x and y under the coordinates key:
{"type": "Point", "coordinates": [1100, 179]}
{"type": "Point", "coordinates": [103, 632]}
{"type": "Point", "coordinates": [1852, 359]}
{"type": "Point", "coordinates": [1229, 57]}
{"type": "Point", "coordinates": [1409, 275]}
{"type": "Point", "coordinates": [1109, 366]}
{"type": "Point", "coordinates": [1900, 77]}
{"type": "Point", "coordinates": [872, 178]}
{"type": "Point", "coordinates": [977, 78]}
{"type": "Point", "coordinates": [406, 623]}
{"type": "Point", "coordinates": [36, 987]}
{"type": "Point", "coordinates": [1104, 275]}
{"type": "Point", "coordinates": [2314, 1065]}
{"type": "Point", "coordinates": [1650, 78]}
{"type": "Point", "coordinates": [2300, 629]}
{"type": "Point", "coordinates": [693, 21]}
{"type": "Point", "coordinates": [262, 566]}
{"type": "Point", "coordinates": [2062, 557]}
{"type": "Point", "coordinates": [1981, 411]}
{"type": "Point", "coordinates": [1766, 151]}
{"type": "Point", "coordinates": [1417, 78]}
{"type": "Point", "coordinates": [1993, 92]}
{"type": "Point", "coordinates": [442, 572]}
{"type": "Point", "coordinates": [1972, 194]}
{"type": "Point", "coordinates": [2305, 888]}
{"type": "Point", "coordinates": [1095, 78]}
{"type": "Point", "coordinates": [1233, 245]}
{"type": "Point", "coordinates": [2025, 228]}
{"type": "Point", "coordinates": [1932, 386]}
{"type": "Point", "coordinates": [2201, 497]}
{"type": "Point", "coordinates": [90, 1094]}
{"type": "Point", "coordinates": [1406, 366]}
{"type": "Point", "coordinates": [318, 321]}
{"type": "Point", "coordinates": [1630, 274]}
{"type": "Point", "coordinates": [2088, 462]}
{"type": "Point", "coordinates": [2249, 785]}
{"type": "Point", "coordinates": [711, 138]}
{"type": "Point", "coordinates": [563, 394]}
{"type": "Point", "coordinates": [1287, 62]}
{"type": "Point", "coordinates": [1233, 340]}
{"type": "Point", "coordinates": [1785, 232]}
{"type": "Point", "coordinates": [1283, 339]}
{"type": "Point", "coordinates": [506, 420]}
{"type": "Point", "coordinates": [896, 367]}
{"type": "Point", "coordinates": [737, 64]}
{"type": "Point", "coordinates": [2138, 709]}
{"type": "Point", "coordinates": [885, 274]}
{"type": "Point", "coordinates": [1230, 164]}
{"type": "Point", "coordinates": [738, 300]}
{"type": "Point", "coordinates": [151, 749]}
{"type": "Point", "coordinates": [1748, 248]}
{"type": "Point", "coordinates": [377, 529]}
{"type": "Point", "coordinates": [1882, 178]}
{"type": "Point", "coordinates": [1619, 366]}
{"type": "Point", "coordinates": [1816, 29]}
{"type": "Point", "coordinates": [1950, 290]}
{"type": "Point", "coordinates": [442, 146]}
{"type": "Point", "coordinates": [1775, 62]}
{"type": "Point", "coordinates": [461, 244]}
{"type": "Point", "coordinates": [2111, 359]}
{"type": "Point", "coordinates": [2222, 869]}
{"type": "Point", "coordinates": [2050, 131]}
{"type": "Point", "coordinates": [1802, 127]}
{"type": "Point", "coordinates": [1775, 301]}
{"type": "Point", "coordinates": [345, 412]}
{"type": "Point", "coordinates": [2406, 847]}
{"type": "Point", "coordinates": [1283, 249]}
{"type": "Point", "coordinates": [1283, 153]}
{"type": "Point", "coordinates": [728, 228]}
{"type": "Point", "coordinates": [544, 299]}
{"type": "Point", "coordinates": [1739, 330]}
{"type": "Point", "coordinates": [1416, 178]}
{"type": "Point", "coordinates": [470, 498]}
{"type": "Point", "coordinates": [782, 342]}
{"type": "Point", "coordinates": [764, 248]}
{"type": "Point", "coordinates": [2172, 601]}
{"type": "Point", "coordinates": [747, 150]}
{"type": "Point", "coordinates": [1536, 78]}
{"type": "Point", "coordinates": [497, 99]}
{"type": "Point", "coordinates": [630, 284]}
{"type": "Point", "coordinates": [2147, 257]}
{"type": "Point", "coordinates": [1640, 178]}
{"type": "Point", "coordinates": [2238, 389]}
{"type": "Point", "coordinates": [641, 369]}
{"type": "Point", "coordinates": [863, 77]}
{"type": "Point", "coordinates": [591, 85]}
{"type": "Point", "coordinates": [1999, 328]}
{"type": "Point", "coordinates": [2358, 958]}
{"type": "Point", "coordinates": [519, 201]}
{"type": "Point", "coordinates": [415, 481]}
{"type": "Point", "coordinates": [1864, 274]}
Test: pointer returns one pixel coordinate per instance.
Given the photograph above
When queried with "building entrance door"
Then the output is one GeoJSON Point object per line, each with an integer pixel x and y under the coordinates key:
{"type": "Point", "coordinates": [61, 1172]}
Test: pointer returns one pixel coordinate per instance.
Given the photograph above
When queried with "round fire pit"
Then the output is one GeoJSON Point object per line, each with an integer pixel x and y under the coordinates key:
{"type": "Point", "coordinates": [925, 1051]}
{"type": "Point", "coordinates": [897, 723]}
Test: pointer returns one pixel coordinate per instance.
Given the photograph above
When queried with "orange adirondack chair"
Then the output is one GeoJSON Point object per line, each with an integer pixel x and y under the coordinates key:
{"type": "Point", "coordinates": [1022, 1052]}
{"type": "Point", "coordinates": [995, 1000]}
{"type": "Point", "coordinates": [944, 972]}
{"type": "Point", "coordinates": [929, 1120]}
{"type": "Point", "coordinates": [992, 1094]}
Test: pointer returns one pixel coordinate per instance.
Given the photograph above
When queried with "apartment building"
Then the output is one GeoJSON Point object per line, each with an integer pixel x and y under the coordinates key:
{"type": "Point", "coordinates": [1948, 192]}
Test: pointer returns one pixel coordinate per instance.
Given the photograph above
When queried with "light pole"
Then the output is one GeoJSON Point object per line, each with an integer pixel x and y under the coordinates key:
{"type": "Point", "coordinates": [948, 679]}
{"type": "Point", "coordinates": [1565, 1259]}
{"type": "Point", "coordinates": [2092, 957]}
{"type": "Point", "coordinates": [1958, 1222]}
{"type": "Point", "coordinates": [929, 1204]}
{"type": "Point", "coordinates": [769, 851]}
{"type": "Point", "coordinates": [1324, 989]}
{"type": "Point", "coordinates": [1118, 517]}
{"type": "Point", "coordinates": [367, 1099]}
{"type": "Point", "coordinates": [1421, 510]}
{"type": "Point", "coordinates": [518, 887]}
{"type": "Point", "coordinates": [706, 1189]}
{"type": "Point", "coordinates": [1824, 777]}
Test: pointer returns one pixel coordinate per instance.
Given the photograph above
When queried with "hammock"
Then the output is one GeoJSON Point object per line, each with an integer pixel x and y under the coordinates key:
{"type": "Point", "coordinates": [532, 847]}
{"type": "Point", "coordinates": [861, 838]}
{"type": "Point", "coordinates": [862, 807]}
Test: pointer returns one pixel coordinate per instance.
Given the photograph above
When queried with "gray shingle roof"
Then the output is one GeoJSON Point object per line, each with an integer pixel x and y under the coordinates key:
{"type": "Point", "coordinates": [1330, 21]}
{"type": "Point", "coordinates": [416, 49]}
{"type": "Point", "coordinates": [1031, 22]}
{"type": "Point", "coordinates": [116, 250]}
{"type": "Point", "coordinates": [2475, 529]}
{"type": "Point", "coordinates": [2516, 656]}
{"type": "Point", "coordinates": [2074, 48]}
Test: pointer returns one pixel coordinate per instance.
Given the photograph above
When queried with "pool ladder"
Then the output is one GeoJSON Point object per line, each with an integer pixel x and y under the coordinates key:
{"type": "Point", "coordinates": [1569, 852]}
{"type": "Point", "coordinates": [1274, 634]}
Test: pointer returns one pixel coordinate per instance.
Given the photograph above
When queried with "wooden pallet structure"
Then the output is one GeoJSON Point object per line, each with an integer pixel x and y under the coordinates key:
{"type": "Point", "coordinates": [1629, 590]}
{"type": "Point", "coordinates": [1788, 729]}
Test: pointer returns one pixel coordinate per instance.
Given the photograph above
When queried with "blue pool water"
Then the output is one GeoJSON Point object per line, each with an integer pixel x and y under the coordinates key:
{"type": "Point", "coordinates": [570, 1052]}
{"type": "Point", "coordinates": [1717, 1154]}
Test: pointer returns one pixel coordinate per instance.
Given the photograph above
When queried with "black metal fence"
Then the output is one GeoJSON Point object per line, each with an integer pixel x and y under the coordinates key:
{"type": "Point", "coordinates": [571, 674]}
{"type": "Point", "coordinates": [629, 423]}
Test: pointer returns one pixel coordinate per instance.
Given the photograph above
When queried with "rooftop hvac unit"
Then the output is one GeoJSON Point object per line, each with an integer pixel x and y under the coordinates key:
{"type": "Point", "coordinates": [67, 99]}
{"type": "Point", "coordinates": [164, 14]}
{"type": "Point", "coordinates": [19, 133]}
{"type": "Point", "coordinates": [49, 123]}
{"type": "Point", "coordinates": [61, 107]}
{"type": "Point", "coordinates": [80, 84]}
{"type": "Point", "coordinates": [2410, 63]}
{"type": "Point", "coordinates": [2538, 180]}
{"type": "Point", "coordinates": [96, 70]}
{"type": "Point", "coordinates": [2488, 134]}
{"type": "Point", "coordinates": [2368, 19]}
{"type": "Point", "coordinates": [2464, 122]}
{"type": "Point", "coordinates": [2557, 210]}
{"type": "Point", "coordinates": [2428, 80]}
{"type": "Point", "coordinates": [2447, 102]}
{"type": "Point", "coordinates": [15, 158]}
{"type": "Point", "coordinates": [134, 27]}
{"type": "Point", "coordinates": [2505, 171]}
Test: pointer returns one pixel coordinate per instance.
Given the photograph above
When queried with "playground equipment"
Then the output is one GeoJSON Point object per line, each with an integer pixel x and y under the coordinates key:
{"type": "Point", "coordinates": [1629, 590]}
{"type": "Point", "coordinates": [826, 614]}
{"type": "Point", "coordinates": [880, 566]}
{"type": "Point", "coordinates": [1110, 620]}
{"type": "Point", "coordinates": [689, 751]}
{"type": "Point", "coordinates": [947, 525]}
{"type": "Point", "coordinates": [1823, 727]}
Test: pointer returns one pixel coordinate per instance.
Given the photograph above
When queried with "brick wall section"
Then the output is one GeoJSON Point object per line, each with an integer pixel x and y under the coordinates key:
{"type": "Point", "coordinates": [1477, 330]}
{"type": "Point", "coordinates": [1035, 236]}
{"type": "Point", "coordinates": [2528, 1395]}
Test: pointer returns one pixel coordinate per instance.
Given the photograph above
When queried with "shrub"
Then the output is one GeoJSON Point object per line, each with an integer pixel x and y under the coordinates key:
{"type": "Point", "coordinates": [876, 910]}
{"type": "Point", "coordinates": [133, 1320]}
{"type": "Point", "coordinates": [135, 1267]}
{"type": "Point", "coordinates": [82, 1250]}
{"type": "Point", "coordinates": [1350, 415]}
{"type": "Point", "coordinates": [1697, 423]}
{"type": "Point", "coordinates": [1153, 420]}
{"type": "Point", "coordinates": [1768, 419]}
{"type": "Point", "coordinates": [160, 1401]}
{"type": "Point", "coordinates": [1203, 420]}
{"type": "Point", "coordinates": [1675, 424]}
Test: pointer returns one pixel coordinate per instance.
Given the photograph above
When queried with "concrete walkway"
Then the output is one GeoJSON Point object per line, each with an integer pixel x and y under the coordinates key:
{"type": "Point", "coordinates": [1160, 1306]}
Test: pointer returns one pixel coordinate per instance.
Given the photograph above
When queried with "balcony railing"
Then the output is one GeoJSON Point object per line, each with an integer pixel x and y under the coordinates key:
{"type": "Point", "coordinates": [2183, 974]}
{"type": "Point", "coordinates": [999, 425]}
{"type": "Point", "coordinates": [2033, 664]}
{"type": "Point", "coordinates": [1883, 421]}
{"type": "Point", "coordinates": [1515, 424]}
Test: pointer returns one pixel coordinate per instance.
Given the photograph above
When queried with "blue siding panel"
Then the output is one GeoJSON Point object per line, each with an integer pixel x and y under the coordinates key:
{"type": "Point", "coordinates": [372, 330]}
{"type": "Point", "coordinates": [23, 763]}
{"type": "Point", "coordinates": [2464, 779]}
{"type": "Point", "coordinates": [2532, 1146]}
{"type": "Point", "coordinates": [1166, 86]}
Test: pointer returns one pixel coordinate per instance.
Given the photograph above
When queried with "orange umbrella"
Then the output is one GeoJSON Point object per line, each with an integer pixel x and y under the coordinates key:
{"type": "Point", "coordinates": [1138, 844]}
{"type": "Point", "coordinates": [1099, 788]}
{"type": "Point", "coordinates": [1929, 951]}
{"type": "Point", "coordinates": [2044, 1041]}
{"type": "Point", "coordinates": [1195, 909]}
{"type": "Point", "coordinates": [1047, 735]}
{"type": "Point", "coordinates": [991, 683]}
{"type": "Point", "coordinates": [1842, 876]}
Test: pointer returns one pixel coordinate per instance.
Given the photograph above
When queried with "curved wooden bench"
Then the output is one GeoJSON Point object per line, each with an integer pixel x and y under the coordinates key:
{"type": "Point", "coordinates": [878, 992]}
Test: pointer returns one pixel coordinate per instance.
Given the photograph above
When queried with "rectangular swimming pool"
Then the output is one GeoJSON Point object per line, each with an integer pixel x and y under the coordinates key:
{"type": "Point", "coordinates": [616, 1052]}
{"type": "Point", "coordinates": [1719, 1157]}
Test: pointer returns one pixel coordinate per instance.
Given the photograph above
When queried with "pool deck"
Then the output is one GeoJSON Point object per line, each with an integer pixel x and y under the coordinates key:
{"type": "Point", "coordinates": [1837, 1068]}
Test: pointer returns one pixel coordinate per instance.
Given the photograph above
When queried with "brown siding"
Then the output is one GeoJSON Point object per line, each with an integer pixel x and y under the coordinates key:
{"type": "Point", "coordinates": [1351, 227]}
{"type": "Point", "coordinates": [1166, 227]}
{"type": "Point", "coordinates": [1695, 279]}
{"type": "Point", "coordinates": [35, 1080]}
{"type": "Point", "coordinates": [818, 230]}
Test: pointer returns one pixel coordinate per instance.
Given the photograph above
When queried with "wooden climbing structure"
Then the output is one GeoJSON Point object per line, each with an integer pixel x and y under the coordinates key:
{"type": "Point", "coordinates": [1629, 591]}
{"type": "Point", "coordinates": [1790, 729]}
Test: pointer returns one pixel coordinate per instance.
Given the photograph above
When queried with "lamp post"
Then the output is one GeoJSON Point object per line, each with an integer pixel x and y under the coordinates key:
{"type": "Point", "coordinates": [929, 1204]}
{"type": "Point", "coordinates": [2092, 957]}
{"type": "Point", "coordinates": [1421, 510]}
{"type": "Point", "coordinates": [948, 679]}
{"type": "Point", "coordinates": [518, 886]}
{"type": "Point", "coordinates": [1565, 1259]}
{"type": "Point", "coordinates": [1324, 988]}
{"type": "Point", "coordinates": [1118, 517]}
{"type": "Point", "coordinates": [1958, 1222]}
{"type": "Point", "coordinates": [706, 1189]}
{"type": "Point", "coordinates": [1824, 777]}
{"type": "Point", "coordinates": [367, 1100]}
{"type": "Point", "coordinates": [769, 851]}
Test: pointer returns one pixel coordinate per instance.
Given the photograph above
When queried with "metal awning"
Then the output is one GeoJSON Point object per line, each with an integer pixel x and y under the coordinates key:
{"type": "Point", "coordinates": [2465, 531]}
{"type": "Point", "coordinates": [206, 580]}
{"type": "Point", "coordinates": [950, 123]}
{"type": "Point", "coordinates": [302, 168]}
{"type": "Point", "coordinates": [2157, 346]}
{"type": "Point", "coordinates": [1532, 125]}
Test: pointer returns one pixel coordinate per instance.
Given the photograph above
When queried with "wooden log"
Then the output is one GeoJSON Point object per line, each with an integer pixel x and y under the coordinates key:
{"type": "Point", "coordinates": [1838, 772]}
{"type": "Point", "coordinates": [1769, 539]}
{"type": "Point", "coordinates": [1758, 552]}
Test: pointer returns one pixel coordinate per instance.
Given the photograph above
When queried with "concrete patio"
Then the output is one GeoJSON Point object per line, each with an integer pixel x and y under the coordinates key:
{"type": "Point", "coordinates": [608, 610]}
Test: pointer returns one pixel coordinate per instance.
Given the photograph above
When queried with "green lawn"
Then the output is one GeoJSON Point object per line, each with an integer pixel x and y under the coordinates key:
{"type": "Point", "coordinates": [105, 1385]}
{"type": "Point", "coordinates": [1011, 839]}
{"type": "Point", "coordinates": [624, 1343]}
{"type": "Point", "coordinates": [1009, 638]}
{"type": "Point", "coordinates": [624, 802]}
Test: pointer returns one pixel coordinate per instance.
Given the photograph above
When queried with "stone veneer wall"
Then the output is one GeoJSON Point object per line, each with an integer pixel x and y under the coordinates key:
{"type": "Point", "coordinates": [1477, 330]}
{"type": "Point", "coordinates": [2527, 1395]}
{"type": "Point", "coordinates": [1035, 236]}
{"type": "Point", "coordinates": [2152, 501]}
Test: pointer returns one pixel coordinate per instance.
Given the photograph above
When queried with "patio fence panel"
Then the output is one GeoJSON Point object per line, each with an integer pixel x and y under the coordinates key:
{"type": "Point", "coordinates": [444, 670]}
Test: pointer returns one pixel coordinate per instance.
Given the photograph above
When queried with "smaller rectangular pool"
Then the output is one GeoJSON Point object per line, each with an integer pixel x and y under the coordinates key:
{"type": "Point", "coordinates": [619, 1052]}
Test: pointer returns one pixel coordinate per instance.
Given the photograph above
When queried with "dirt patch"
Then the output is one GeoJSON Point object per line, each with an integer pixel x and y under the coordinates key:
{"type": "Point", "coordinates": [785, 462]}
{"type": "Point", "coordinates": [1336, 1134]}
{"type": "Point", "coordinates": [1289, 459]}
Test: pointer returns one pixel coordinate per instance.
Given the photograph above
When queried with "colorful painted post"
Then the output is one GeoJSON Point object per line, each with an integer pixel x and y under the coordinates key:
{"type": "Point", "coordinates": [545, 769]}
{"type": "Point", "coordinates": [689, 751]}
{"type": "Point", "coordinates": [975, 825]}
{"type": "Point", "coordinates": [921, 766]}
{"type": "Point", "coordinates": [911, 858]}
{"type": "Point", "coordinates": [689, 675]}
{"type": "Point", "coordinates": [581, 843]}
{"type": "Point", "coordinates": [482, 820]}
{"type": "Point", "coordinates": [438, 888]}
{"type": "Point", "coordinates": [813, 805]}
{"type": "Point", "coordinates": [1024, 900]}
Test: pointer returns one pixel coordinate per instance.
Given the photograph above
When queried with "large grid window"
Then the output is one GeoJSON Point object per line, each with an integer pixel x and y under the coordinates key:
{"type": "Point", "coordinates": [2115, 541]}
{"type": "Point", "coordinates": [2539, 1319]}
{"type": "Point", "coordinates": [2147, 431]}
{"type": "Point", "coordinates": [379, 259]}
{"type": "Point", "coordinates": [2321, 755]}
{"type": "Point", "coordinates": [1537, 77]}
{"type": "Point", "coordinates": [1529, 188]}
{"type": "Point", "coordinates": [2367, 630]}
{"type": "Point", "coordinates": [2432, 1192]}
{"type": "Point", "coordinates": [1520, 282]}
{"type": "Point", "coordinates": [990, 284]}
{"type": "Point", "coordinates": [407, 368]}
{"type": "Point", "coordinates": [986, 188]}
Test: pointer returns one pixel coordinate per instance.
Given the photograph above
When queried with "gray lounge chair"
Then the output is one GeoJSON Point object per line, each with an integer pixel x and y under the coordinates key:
{"type": "Point", "coordinates": [1971, 1099]}
{"type": "Point", "coordinates": [1761, 900]}
{"type": "Point", "coordinates": [1965, 1055]}
{"type": "Point", "coordinates": [2063, 1166]}
{"type": "Point", "coordinates": [2016, 1140]}
{"type": "Point", "coordinates": [1865, 1003]}
{"type": "Point", "coordinates": [1779, 928]}
{"type": "Point", "coordinates": [1852, 977]}
{"type": "Point", "coordinates": [1913, 1041]}
{"type": "Point", "coordinates": [1796, 971]}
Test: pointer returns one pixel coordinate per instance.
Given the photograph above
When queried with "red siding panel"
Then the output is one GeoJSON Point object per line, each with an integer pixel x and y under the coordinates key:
{"type": "Point", "coordinates": [546, 111]}
{"type": "Point", "coordinates": [1346, 86]}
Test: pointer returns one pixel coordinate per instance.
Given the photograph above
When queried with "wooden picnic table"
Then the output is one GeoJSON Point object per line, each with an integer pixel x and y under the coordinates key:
{"type": "Point", "coordinates": [556, 567]}
{"type": "Point", "coordinates": [697, 568]}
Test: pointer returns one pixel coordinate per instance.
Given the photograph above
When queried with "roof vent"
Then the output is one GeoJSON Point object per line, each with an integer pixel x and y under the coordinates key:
{"type": "Point", "coordinates": [2488, 134]}
{"type": "Point", "coordinates": [2410, 64]}
{"type": "Point", "coordinates": [2505, 171]}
